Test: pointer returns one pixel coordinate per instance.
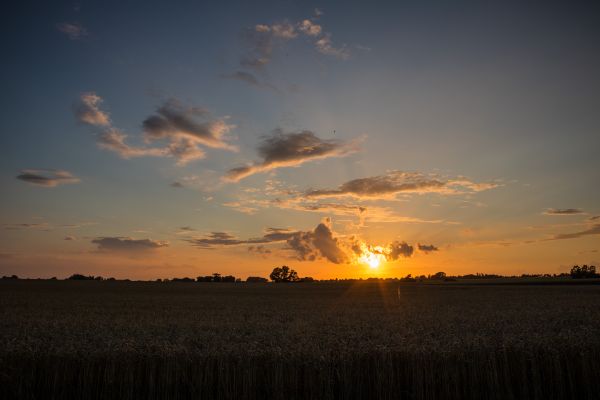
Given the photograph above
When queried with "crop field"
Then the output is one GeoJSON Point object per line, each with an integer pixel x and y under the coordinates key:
{"type": "Point", "coordinates": [144, 340]}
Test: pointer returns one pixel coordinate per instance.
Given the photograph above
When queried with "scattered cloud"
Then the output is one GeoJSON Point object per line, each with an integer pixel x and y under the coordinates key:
{"type": "Point", "coordinates": [74, 30]}
{"type": "Point", "coordinates": [319, 243]}
{"type": "Point", "coordinates": [127, 244]}
{"type": "Point", "coordinates": [70, 238]}
{"type": "Point", "coordinates": [47, 177]}
{"type": "Point", "coordinates": [399, 182]}
{"type": "Point", "coordinates": [177, 184]}
{"type": "Point", "coordinates": [427, 248]}
{"type": "Point", "coordinates": [592, 230]}
{"type": "Point", "coordinates": [594, 218]}
{"type": "Point", "coordinates": [261, 39]}
{"type": "Point", "coordinates": [563, 211]}
{"type": "Point", "coordinates": [180, 128]}
{"type": "Point", "coordinates": [292, 149]}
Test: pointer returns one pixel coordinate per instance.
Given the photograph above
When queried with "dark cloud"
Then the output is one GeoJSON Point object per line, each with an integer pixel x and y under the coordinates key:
{"type": "Point", "coordinates": [593, 230]}
{"type": "Point", "coordinates": [399, 249]}
{"type": "Point", "coordinates": [427, 248]}
{"type": "Point", "coordinates": [126, 244]}
{"type": "Point", "coordinates": [70, 238]}
{"type": "Point", "coordinates": [186, 126]}
{"type": "Point", "coordinates": [225, 239]}
{"type": "Point", "coordinates": [594, 218]}
{"type": "Point", "coordinates": [395, 182]}
{"type": "Point", "coordinates": [292, 149]}
{"type": "Point", "coordinates": [259, 249]}
{"type": "Point", "coordinates": [47, 177]}
{"type": "Point", "coordinates": [74, 30]}
{"type": "Point", "coordinates": [177, 185]}
{"type": "Point", "coordinates": [563, 211]}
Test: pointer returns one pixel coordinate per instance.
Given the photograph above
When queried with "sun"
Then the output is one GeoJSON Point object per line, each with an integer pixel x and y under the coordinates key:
{"type": "Point", "coordinates": [373, 260]}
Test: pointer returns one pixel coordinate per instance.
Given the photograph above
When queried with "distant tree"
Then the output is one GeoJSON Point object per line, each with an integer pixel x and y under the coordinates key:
{"type": "Point", "coordinates": [284, 274]}
{"type": "Point", "coordinates": [10, 277]}
{"type": "Point", "coordinates": [228, 278]}
{"type": "Point", "coordinates": [585, 271]}
{"type": "Point", "coordinates": [207, 278]}
{"type": "Point", "coordinates": [216, 277]}
{"type": "Point", "coordinates": [186, 279]}
{"type": "Point", "coordinates": [306, 279]}
{"type": "Point", "coordinates": [256, 279]}
{"type": "Point", "coordinates": [80, 277]}
{"type": "Point", "coordinates": [438, 276]}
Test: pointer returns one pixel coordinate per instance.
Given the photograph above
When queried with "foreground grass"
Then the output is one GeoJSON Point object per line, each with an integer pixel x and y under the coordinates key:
{"type": "Point", "coordinates": [177, 340]}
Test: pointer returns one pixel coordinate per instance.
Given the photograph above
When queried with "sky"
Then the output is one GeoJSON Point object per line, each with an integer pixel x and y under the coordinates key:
{"type": "Point", "coordinates": [148, 139]}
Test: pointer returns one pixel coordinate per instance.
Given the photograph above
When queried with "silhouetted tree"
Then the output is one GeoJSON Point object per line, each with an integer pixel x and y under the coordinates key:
{"type": "Point", "coordinates": [578, 272]}
{"type": "Point", "coordinates": [438, 276]}
{"type": "Point", "coordinates": [228, 278]}
{"type": "Point", "coordinates": [284, 274]}
{"type": "Point", "coordinates": [256, 279]}
{"type": "Point", "coordinates": [306, 279]}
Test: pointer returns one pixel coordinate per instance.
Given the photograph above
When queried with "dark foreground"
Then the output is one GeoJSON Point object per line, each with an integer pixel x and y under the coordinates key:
{"type": "Point", "coordinates": [133, 340]}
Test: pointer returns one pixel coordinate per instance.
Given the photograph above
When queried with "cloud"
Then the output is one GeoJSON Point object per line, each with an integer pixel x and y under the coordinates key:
{"type": "Point", "coordinates": [593, 230]}
{"type": "Point", "coordinates": [594, 218]}
{"type": "Point", "coordinates": [318, 243]}
{"type": "Point", "coordinates": [177, 184]}
{"type": "Point", "coordinates": [74, 30]}
{"type": "Point", "coordinates": [311, 245]}
{"type": "Point", "coordinates": [183, 128]}
{"type": "Point", "coordinates": [262, 38]}
{"type": "Point", "coordinates": [399, 249]}
{"type": "Point", "coordinates": [563, 211]}
{"type": "Point", "coordinates": [87, 110]}
{"type": "Point", "coordinates": [309, 28]}
{"type": "Point", "coordinates": [114, 140]}
{"type": "Point", "coordinates": [427, 248]}
{"type": "Point", "coordinates": [292, 149]}
{"type": "Point", "coordinates": [47, 177]}
{"type": "Point", "coordinates": [397, 182]}
{"type": "Point", "coordinates": [127, 244]}
{"type": "Point", "coordinates": [70, 238]}
{"type": "Point", "coordinates": [325, 46]}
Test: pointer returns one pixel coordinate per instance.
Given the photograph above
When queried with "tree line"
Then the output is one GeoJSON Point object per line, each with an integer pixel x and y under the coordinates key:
{"type": "Point", "coordinates": [285, 274]}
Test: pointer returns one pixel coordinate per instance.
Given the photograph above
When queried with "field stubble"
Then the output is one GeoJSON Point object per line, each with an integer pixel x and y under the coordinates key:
{"type": "Point", "coordinates": [322, 340]}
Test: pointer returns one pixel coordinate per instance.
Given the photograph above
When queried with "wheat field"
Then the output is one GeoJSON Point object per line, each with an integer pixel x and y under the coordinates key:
{"type": "Point", "coordinates": [147, 340]}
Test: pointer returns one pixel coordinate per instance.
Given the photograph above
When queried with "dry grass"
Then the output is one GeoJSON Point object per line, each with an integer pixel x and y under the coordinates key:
{"type": "Point", "coordinates": [323, 340]}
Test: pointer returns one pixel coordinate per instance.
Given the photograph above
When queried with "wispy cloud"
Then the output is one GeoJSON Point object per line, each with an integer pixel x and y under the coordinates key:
{"type": "Point", "coordinates": [47, 177]}
{"type": "Point", "coordinates": [127, 244]}
{"type": "Point", "coordinates": [563, 211]}
{"type": "Point", "coordinates": [398, 182]}
{"type": "Point", "coordinates": [427, 248]}
{"type": "Point", "coordinates": [182, 130]}
{"type": "Point", "coordinates": [592, 230]}
{"type": "Point", "coordinates": [74, 30]}
{"type": "Point", "coordinates": [250, 79]}
{"type": "Point", "coordinates": [292, 149]}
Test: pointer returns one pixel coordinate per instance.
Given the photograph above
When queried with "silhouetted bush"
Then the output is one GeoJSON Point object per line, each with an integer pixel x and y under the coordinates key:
{"type": "Point", "coordinates": [256, 279]}
{"type": "Point", "coordinates": [80, 277]}
{"type": "Point", "coordinates": [186, 279]}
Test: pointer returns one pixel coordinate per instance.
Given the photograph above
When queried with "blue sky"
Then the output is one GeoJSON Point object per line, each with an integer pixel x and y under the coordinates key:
{"type": "Point", "coordinates": [495, 102]}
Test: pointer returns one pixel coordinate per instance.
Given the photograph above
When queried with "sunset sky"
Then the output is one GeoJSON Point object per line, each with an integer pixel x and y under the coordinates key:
{"type": "Point", "coordinates": [147, 140]}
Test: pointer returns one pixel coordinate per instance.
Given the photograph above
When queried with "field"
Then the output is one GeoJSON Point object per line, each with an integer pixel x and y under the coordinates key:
{"type": "Point", "coordinates": [68, 339]}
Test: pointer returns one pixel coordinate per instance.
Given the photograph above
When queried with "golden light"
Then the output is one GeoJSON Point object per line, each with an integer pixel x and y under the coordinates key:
{"type": "Point", "coordinates": [372, 259]}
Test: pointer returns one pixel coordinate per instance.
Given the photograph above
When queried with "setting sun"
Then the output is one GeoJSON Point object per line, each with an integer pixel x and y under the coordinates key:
{"type": "Point", "coordinates": [373, 260]}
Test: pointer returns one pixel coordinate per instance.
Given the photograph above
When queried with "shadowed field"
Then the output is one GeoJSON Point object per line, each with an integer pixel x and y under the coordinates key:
{"type": "Point", "coordinates": [67, 339]}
